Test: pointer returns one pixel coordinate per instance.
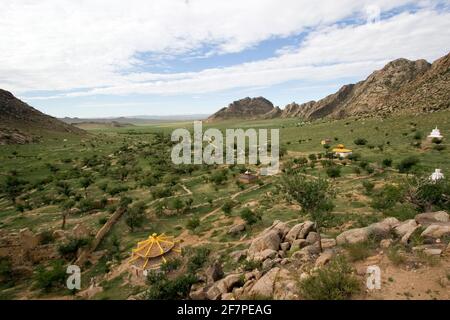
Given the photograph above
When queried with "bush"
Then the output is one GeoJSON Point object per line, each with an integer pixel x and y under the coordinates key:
{"type": "Point", "coordinates": [333, 282]}
{"type": "Point", "coordinates": [407, 164]}
{"type": "Point", "coordinates": [439, 147]}
{"type": "Point", "coordinates": [70, 248]}
{"type": "Point", "coordinates": [386, 163]}
{"type": "Point", "coordinates": [197, 259]}
{"type": "Point", "coordinates": [193, 223]}
{"type": "Point", "coordinates": [360, 141]}
{"type": "Point", "coordinates": [249, 216]}
{"type": "Point", "coordinates": [6, 272]}
{"type": "Point", "coordinates": [46, 237]}
{"type": "Point", "coordinates": [386, 198]}
{"type": "Point", "coordinates": [171, 265]}
{"type": "Point", "coordinates": [435, 194]}
{"type": "Point", "coordinates": [334, 172]}
{"type": "Point", "coordinates": [368, 186]}
{"type": "Point", "coordinates": [50, 278]}
{"type": "Point", "coordinates": [417, 135]}
{"type": "Point", "coordinates": [359, 251]}
{"type": "Point", "coordinates": [227, 207]}
{"type": "Point", "coordinates": [402, 211]}
{"type": "Point", "coordinates": [163, 288]}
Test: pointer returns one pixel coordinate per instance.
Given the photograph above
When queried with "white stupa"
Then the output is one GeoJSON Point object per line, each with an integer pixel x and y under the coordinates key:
{"type": "Point", "coordinates": [435, 134]}
{"type": "Point", "coordinates": [437, 175]}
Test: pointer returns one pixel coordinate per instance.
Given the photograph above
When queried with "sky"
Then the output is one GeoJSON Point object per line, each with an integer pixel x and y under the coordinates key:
{"type": "Point", "coordinates": [110, 58]}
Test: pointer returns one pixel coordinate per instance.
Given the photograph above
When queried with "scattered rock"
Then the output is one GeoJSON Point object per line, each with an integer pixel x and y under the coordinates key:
{"type": "Point", "coordinates": [238, 255]}
{"type": "Point", "coordinates": [298, 244]}
{"type": "Point", "coordinates": [328, 243]}
{"type": "Point", "coordinates": [214, 272]}
{"type": "Point", "coordinates": [312, 237]}
{"type": "Point", "coordinates": [324, 258]}
{"type": "Point", "coordinates": [299, 231]}
{"type": "Point", "coordinates": [428, 218]}
{"type": "Point", "coordinates": [268, 240]}
{"type": "Point", "coordinates": [280, 227]}
{"type": "Point", "coordinates": [386, 243]}
{"type": "Point", "coordinates": [264, 255]}
{"type": "Point", "coordinates": [80, 231]}
{"type": "Point", "coordinates": [264, 287]}
{"type": "Point", "coordinates": [28, 239]}
{"type": "Point", "coordinates": [285, 246]}
{"type": "Point", "coordinates": [408, 226]}
{"type": "Point", "coordinates": [236, 229]}
{"type": "Point", "coordinates": [436, 231]}
{"type": "Point", "coordinates": [353, 236]}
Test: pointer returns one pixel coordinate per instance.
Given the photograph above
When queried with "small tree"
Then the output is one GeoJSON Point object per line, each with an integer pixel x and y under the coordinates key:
{"type": "Point", "coordinates": [85, 183]}
{"type": "Point", "coordinates": [13, 187]}
{"type": "Point", "coordinates": [249, 216]}
{"type": "Point", "coordinates": [65, 207]}
{"type": "Point", "coordinates": [314, 196]}
{"type": "Point", "coordinates": [178, 205]}
{"type": "Point", "coordinates": [135, 216]}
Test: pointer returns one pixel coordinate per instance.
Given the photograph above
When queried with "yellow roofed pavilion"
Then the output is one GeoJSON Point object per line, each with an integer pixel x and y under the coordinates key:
{"type": "Point", "coordinates": [341, 148]}
{"type": "Point", "coordinates": [154, 251]}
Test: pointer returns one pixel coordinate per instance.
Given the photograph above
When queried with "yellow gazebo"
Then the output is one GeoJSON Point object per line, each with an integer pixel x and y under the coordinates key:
{"type": "Point", "coordinates": [341, 151]}
{"type": "Point", "coordinates": [154, 251]}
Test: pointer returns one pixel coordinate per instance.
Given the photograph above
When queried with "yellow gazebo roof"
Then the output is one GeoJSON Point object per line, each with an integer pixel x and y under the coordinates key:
{"type": "Point", "coordinates": [341, 148]}
{"type": "Point", "coordinates": [155, 250]}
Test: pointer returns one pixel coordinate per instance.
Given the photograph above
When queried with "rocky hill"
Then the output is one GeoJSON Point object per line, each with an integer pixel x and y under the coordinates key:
{"type": "Point", "coordinates": [20, 123]}
{"type": "Point", "coordinates": [402, 86]}
{"type": "Point", "coordinates": [247, 109]}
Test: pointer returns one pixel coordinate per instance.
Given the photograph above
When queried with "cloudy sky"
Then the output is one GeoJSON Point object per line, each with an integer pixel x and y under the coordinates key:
{"type": "Point", "coordinates": [98, 58]}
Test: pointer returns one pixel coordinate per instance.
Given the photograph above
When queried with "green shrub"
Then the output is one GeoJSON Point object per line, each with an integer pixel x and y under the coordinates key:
{"type": "Point", "coordinates": [407, 164]}
{"type": "Point", "coordinates": [249, 216]}
{"type": "Point", "coordinates": [386, 198]}
{"type": "Point", "coordinates": [46, 237]}
{"type": "Point", "coordinates": [193, 223]}
{"type": "Point", "coordinates": [50, 278]}
{"type": "Point", "coordinates": [402, 211]}
{"type": "Point", "coordinates": [197, 259]}
{"type": "Point", "coordinates": [360, 141]}
{"type": "Point", "coordinates": [395, 255]}
{"type": "Point", "coordinates": [368, 186]}
{"type": "Point", "coordinates": [439, 147]}
{"type": "Point", "coordinates": [227, 207]}
{"type": "Point", "coordinates": [171, 265]}
{"type": "Point", "coordinates": [163, 288]}
{"type": "Point", "coordinates": [386, 163]}
{"type": "Point", "coordinates": [334, 172]}
{"type": "Point", "coordinates": [333, 282]}
{"type": "Point", "coordinates": [70, 248]}
{"type": "Point", "coordinates": [359, 251]}
{"type": "Point", "coordinates": [434, 194]}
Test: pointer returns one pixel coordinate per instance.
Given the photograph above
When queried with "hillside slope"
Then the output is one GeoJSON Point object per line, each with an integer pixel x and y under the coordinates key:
{"type": "Point", "coordinates": [20, 123]}
{"type": "Point", "coordinates": [402, 86]}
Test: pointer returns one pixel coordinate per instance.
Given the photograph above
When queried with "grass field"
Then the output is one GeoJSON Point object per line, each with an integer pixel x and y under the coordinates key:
{"type": "Point", "coordinates": [135, 162]}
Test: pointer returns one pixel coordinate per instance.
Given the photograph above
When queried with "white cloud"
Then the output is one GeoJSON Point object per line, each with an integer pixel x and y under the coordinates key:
{"type": "Point", "coordinates": [67, 45]}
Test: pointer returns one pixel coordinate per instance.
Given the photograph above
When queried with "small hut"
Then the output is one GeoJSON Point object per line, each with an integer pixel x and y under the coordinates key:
{"type": "Point", "coordinates": [341, 152]}
{"type": "Point", "coordinates": [247, 177]}
{"type": "Point", "coordinates": [435, 134]}
{"type": "Point", "coordinates": [151, 253]}
{"type": "Point", "coordinates": [325, 141]}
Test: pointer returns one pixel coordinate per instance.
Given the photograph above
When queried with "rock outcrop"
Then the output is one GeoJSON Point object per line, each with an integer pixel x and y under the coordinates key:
{"type": "Point", "coordinates": [247, 109]}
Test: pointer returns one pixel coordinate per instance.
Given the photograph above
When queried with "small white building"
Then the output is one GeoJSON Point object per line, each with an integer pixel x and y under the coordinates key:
{"type": "Point", "coordinates": [435, 134]}
{"type": "Point", "coordinates": [437, 175]}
